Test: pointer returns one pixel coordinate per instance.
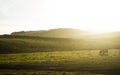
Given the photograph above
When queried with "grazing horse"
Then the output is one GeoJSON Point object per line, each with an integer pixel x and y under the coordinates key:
{"type": "Point", "coordinates": [103, 52]}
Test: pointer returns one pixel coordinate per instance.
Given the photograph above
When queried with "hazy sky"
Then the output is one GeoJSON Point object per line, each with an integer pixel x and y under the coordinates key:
{"type": "Point", "coordinates": [19, 15]}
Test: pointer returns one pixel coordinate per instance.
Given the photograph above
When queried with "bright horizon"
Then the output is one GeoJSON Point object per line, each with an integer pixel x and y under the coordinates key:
{"type": "Point", "coordinates": [25, 15]}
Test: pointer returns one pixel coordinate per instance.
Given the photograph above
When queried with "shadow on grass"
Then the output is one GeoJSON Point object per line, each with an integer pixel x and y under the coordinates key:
{"type": "Point", "coordinates": [113, 71]}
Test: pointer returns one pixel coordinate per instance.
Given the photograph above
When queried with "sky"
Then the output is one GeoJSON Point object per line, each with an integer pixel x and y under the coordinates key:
{"type": "Point", "coordinates": [26, 15]}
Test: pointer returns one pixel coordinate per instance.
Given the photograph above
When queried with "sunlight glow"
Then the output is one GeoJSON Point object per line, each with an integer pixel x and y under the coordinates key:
{"type": "Point", "coordinates": [96, 15]}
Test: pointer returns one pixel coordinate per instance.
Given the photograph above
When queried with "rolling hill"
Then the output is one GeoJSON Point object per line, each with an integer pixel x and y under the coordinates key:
{"type": "Point", "coordinates": [58, 33]}
{"type": "Point", "coordinates": [58, 39]}
{"type": "Point", "coordinates": [67, 33]}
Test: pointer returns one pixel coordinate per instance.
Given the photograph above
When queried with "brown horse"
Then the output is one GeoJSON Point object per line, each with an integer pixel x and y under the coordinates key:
{"type": "Point", "coordinates": [103, 52]}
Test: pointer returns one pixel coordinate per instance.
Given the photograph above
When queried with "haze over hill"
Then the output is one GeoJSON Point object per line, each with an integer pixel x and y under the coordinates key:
{"type": "Point", "coordinates": [60, 32]}
{"type": "Point", "coordinates": [65, 33]}
{"type": "Point", "coordinates": [58, 39]}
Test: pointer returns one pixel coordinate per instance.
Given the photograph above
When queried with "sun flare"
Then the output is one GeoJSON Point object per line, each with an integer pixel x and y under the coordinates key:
{"type": "Point", "coordinates": [99, 28]}
{"type": "Point", "coordinates": [96, 15]}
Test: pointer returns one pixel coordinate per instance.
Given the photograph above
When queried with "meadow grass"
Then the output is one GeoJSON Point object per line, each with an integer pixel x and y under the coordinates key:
{"type": "Point", "coordinates": [58, 56]}
{"type": "Point", "coordinates": [68, 60]}
{"type": "Point", "coordinates": [31, 72]}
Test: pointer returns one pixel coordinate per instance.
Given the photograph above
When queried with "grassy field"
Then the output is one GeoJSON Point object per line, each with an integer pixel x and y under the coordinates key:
{"type": "Point", "coordinates": [55, 56]}
{"type": "Point", "coordinates": [31, 72]}
{"type": "Point", "coordinates": [84, 60]}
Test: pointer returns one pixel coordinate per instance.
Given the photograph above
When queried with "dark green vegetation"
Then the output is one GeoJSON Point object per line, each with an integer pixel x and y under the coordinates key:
{"type": "Point", "coordinates": [22, 44]}
{"type": "Point", "coordinates": [33, 55]}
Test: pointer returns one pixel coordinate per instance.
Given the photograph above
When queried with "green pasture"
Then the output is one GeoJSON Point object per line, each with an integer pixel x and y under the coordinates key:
{"type": "Point", "coordinates": [63, 60]}
{"type": "Point", "coordinates": [21, 55]}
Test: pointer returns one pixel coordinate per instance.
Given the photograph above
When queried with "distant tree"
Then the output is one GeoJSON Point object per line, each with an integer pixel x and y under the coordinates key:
{"type": "Point", "coordinates": [14, 33]}
{"type": "Point", "coordinates": [5, 35]}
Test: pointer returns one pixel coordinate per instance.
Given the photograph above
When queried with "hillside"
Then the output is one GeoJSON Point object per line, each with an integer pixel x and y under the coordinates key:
{"type": "Point", "coordinates": [58, 39]}
{"type": "Point", "coordinates": [16, 44]}
{"type": "Point", "coordinates": [60, 50]}
{"type": "Point", "coordinates": [67, 33]}
{"type": "Point", "coordinates": [59, 33]}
